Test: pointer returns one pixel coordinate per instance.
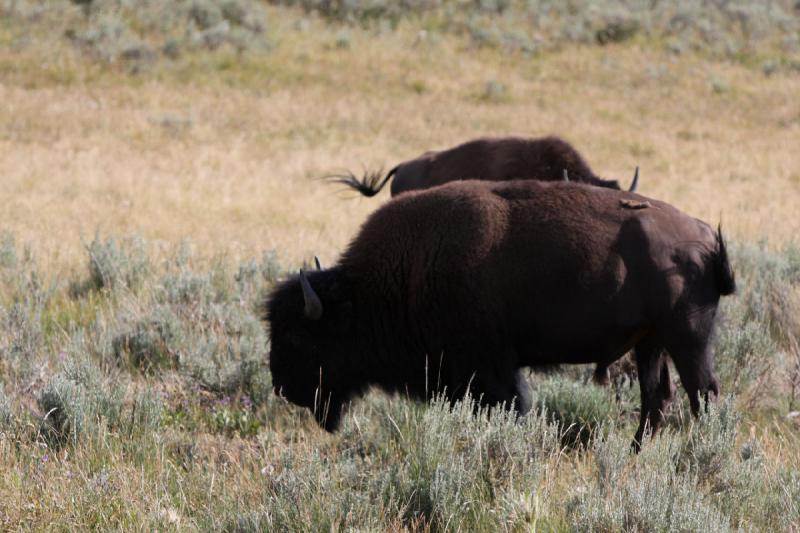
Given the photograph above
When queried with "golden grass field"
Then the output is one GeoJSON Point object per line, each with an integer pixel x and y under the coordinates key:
{"type": "Point", "coordinates": [224, 151]}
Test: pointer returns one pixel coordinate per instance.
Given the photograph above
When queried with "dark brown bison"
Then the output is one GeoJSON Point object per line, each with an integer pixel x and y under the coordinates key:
{"type": "Point", "coordinates": [457, 288]}
{"type": "Point", "coordinates": [492, 159]}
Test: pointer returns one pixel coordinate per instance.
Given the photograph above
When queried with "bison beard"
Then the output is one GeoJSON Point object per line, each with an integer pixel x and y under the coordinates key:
{"type": "Point", "coordinates": [490, 159]}
{"type": "Point", "coordinates": [456, 289]}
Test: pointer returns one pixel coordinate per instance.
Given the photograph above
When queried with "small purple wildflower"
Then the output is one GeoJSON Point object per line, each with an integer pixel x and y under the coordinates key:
{"type": "Point", "coordinates": [246, 402]}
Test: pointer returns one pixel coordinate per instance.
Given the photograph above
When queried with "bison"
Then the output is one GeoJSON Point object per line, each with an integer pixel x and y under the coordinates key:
{"type": "Point", "coordinates": [455, 289]}
{"type": "Point", "coordinates": [492, 159]}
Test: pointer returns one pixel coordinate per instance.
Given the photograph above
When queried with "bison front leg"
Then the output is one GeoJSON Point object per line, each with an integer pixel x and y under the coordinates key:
{"type": "Point", "coordinates": [493, 388]}
{"type": "Point", "coordinates": [328, 411]}
{"type": "Point", "coordinates": [696, 376]}
{"type": "Point", "coordinates": [655, 386]}
{"type": "Point", "coordinates": [510, 390]}
{"type": "Point", "coordinates": [488, 370]}
{"type": "Point", "coordinates": [522, 394]}
{"type": "Point", "coordinates": [690, 350]}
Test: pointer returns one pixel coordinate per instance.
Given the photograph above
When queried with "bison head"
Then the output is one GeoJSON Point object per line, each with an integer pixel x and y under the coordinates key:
{"type": "Point", "coordinates": [310, 318]}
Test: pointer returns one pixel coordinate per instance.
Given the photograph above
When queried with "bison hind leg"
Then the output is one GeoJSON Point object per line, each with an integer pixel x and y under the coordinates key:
{"type": "Point", "coordinates": [600, 376]}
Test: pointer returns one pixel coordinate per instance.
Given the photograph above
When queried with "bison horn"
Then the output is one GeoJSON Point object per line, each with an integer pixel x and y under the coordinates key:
{"type": "Point", "coordinates": [635, 182]}
{"type": "Point", "coordinates": [565, 175]}
{"type": "Point", "coordinates": [313, 305]}
{"type": "Point", "coordinates": [316, 261]}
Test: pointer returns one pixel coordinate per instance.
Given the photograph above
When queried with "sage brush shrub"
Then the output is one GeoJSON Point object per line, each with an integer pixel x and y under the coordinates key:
{"type": "Point", "coordinates": [249, 284]}
{"type": "Point", "coordinates": [137, 34]}
{"type": "Point", "coordinates": [723, 28]}
{"type": "Point", "coordinates": [711, 442]}
{"type": "Point", "coordinates": [751, 492]}
{"type": "Point", "coordinates": [745, 355]}
{"type": "Point", "coordinates": [298, 496]}
{"type": "Point", "coordinates": [759, 328]}
{"type": "Point", "coordinates": [364, 11]}
{"type": "Point", "coordinates": [647, 495]}
{"type": "Point", "coordinates": [6, 414]}
{"type": "Point", "coordinates": [771, 283]}
{"type": "Point", "coordinates": [703, 481]}
{"type": "Point", "coordinates": [580, 409]}
{"type": "Point", "coordinates": [468, 461]}
{"type": "Point", "coordinates": [270, 267]}
{"type": "Point", "coordinates": [193, 291]}
{"type": "Point", "coordinates": [787, 489]}
{"type": "Point", "coordinates": [151, 343]}
{"type": "Point", "coordinates": [115, 265]}
{"type": "Point", "coordinates": [76, 401]}
{"type": "Point", "coordinates": [24, 296]}
{"type": "Point", "coordinates": [253, 278]}
{"type": "Point", "coordinates": [736, 477]}
{"type": "Point", "coordinates": [464, 470]}
{"type": "Point", "coordinates": [226, 353]}
{"type": "Point", "coordinates": [20, 278]}
{"type": "Point", "coordinates": [235, 22]}
{"type": "Point", "coordinates": [612, 454]}
{"type": "Point", "coordinates": [8, 251]}
{"type": "Point", "coordinates": [677, 483]}
{"type": "Point", "coordinates": [204, 324]}
{"type": "Point", "coordinates": [186, 290]}
{"type": "Point", "coordinates": [400, 464]}
{"type": "Point", "coordinates": [79, 401]}
{"type": "Point", "coordinates": [172, 379]}
{"type": "Point", "coordinates": [147, 412]}
{"type": "Point", "coordinates": [21, 340]}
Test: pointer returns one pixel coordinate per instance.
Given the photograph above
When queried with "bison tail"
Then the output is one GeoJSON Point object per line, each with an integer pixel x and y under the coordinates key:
{"type": "Point", "coordinates": [726, 280]}
{"type": "Point", "coordinates": [369, 185]}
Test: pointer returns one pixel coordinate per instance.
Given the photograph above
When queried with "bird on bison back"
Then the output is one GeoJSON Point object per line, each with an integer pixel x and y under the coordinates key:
{"type": "Point", "coordinates": [455, 289]}
{"type": "Point", "coordinates": [490, 159]}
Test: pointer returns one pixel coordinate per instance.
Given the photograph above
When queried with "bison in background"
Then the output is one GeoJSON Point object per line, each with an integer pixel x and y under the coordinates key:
{"type": "Point", "coordinates": [456, 289]}
{"type": "Point", "coordinates": [491, 159]}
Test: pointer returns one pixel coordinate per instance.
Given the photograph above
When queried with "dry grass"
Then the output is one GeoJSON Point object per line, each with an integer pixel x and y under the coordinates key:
{"type": "Point", "coordinates": [223, 151]}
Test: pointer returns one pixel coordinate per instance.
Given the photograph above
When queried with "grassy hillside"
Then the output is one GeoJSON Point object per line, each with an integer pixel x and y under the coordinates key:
{"type": "Point", "coordinates": [158, 168]}
{"type": "Point", "coordinates": [221, 146]}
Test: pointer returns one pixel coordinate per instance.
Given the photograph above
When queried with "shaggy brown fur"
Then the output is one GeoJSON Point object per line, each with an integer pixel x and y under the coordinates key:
{"type": "Point", "coordinates": [457, 288]}
{"type": "Point", "coordinates": [492, 159]}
